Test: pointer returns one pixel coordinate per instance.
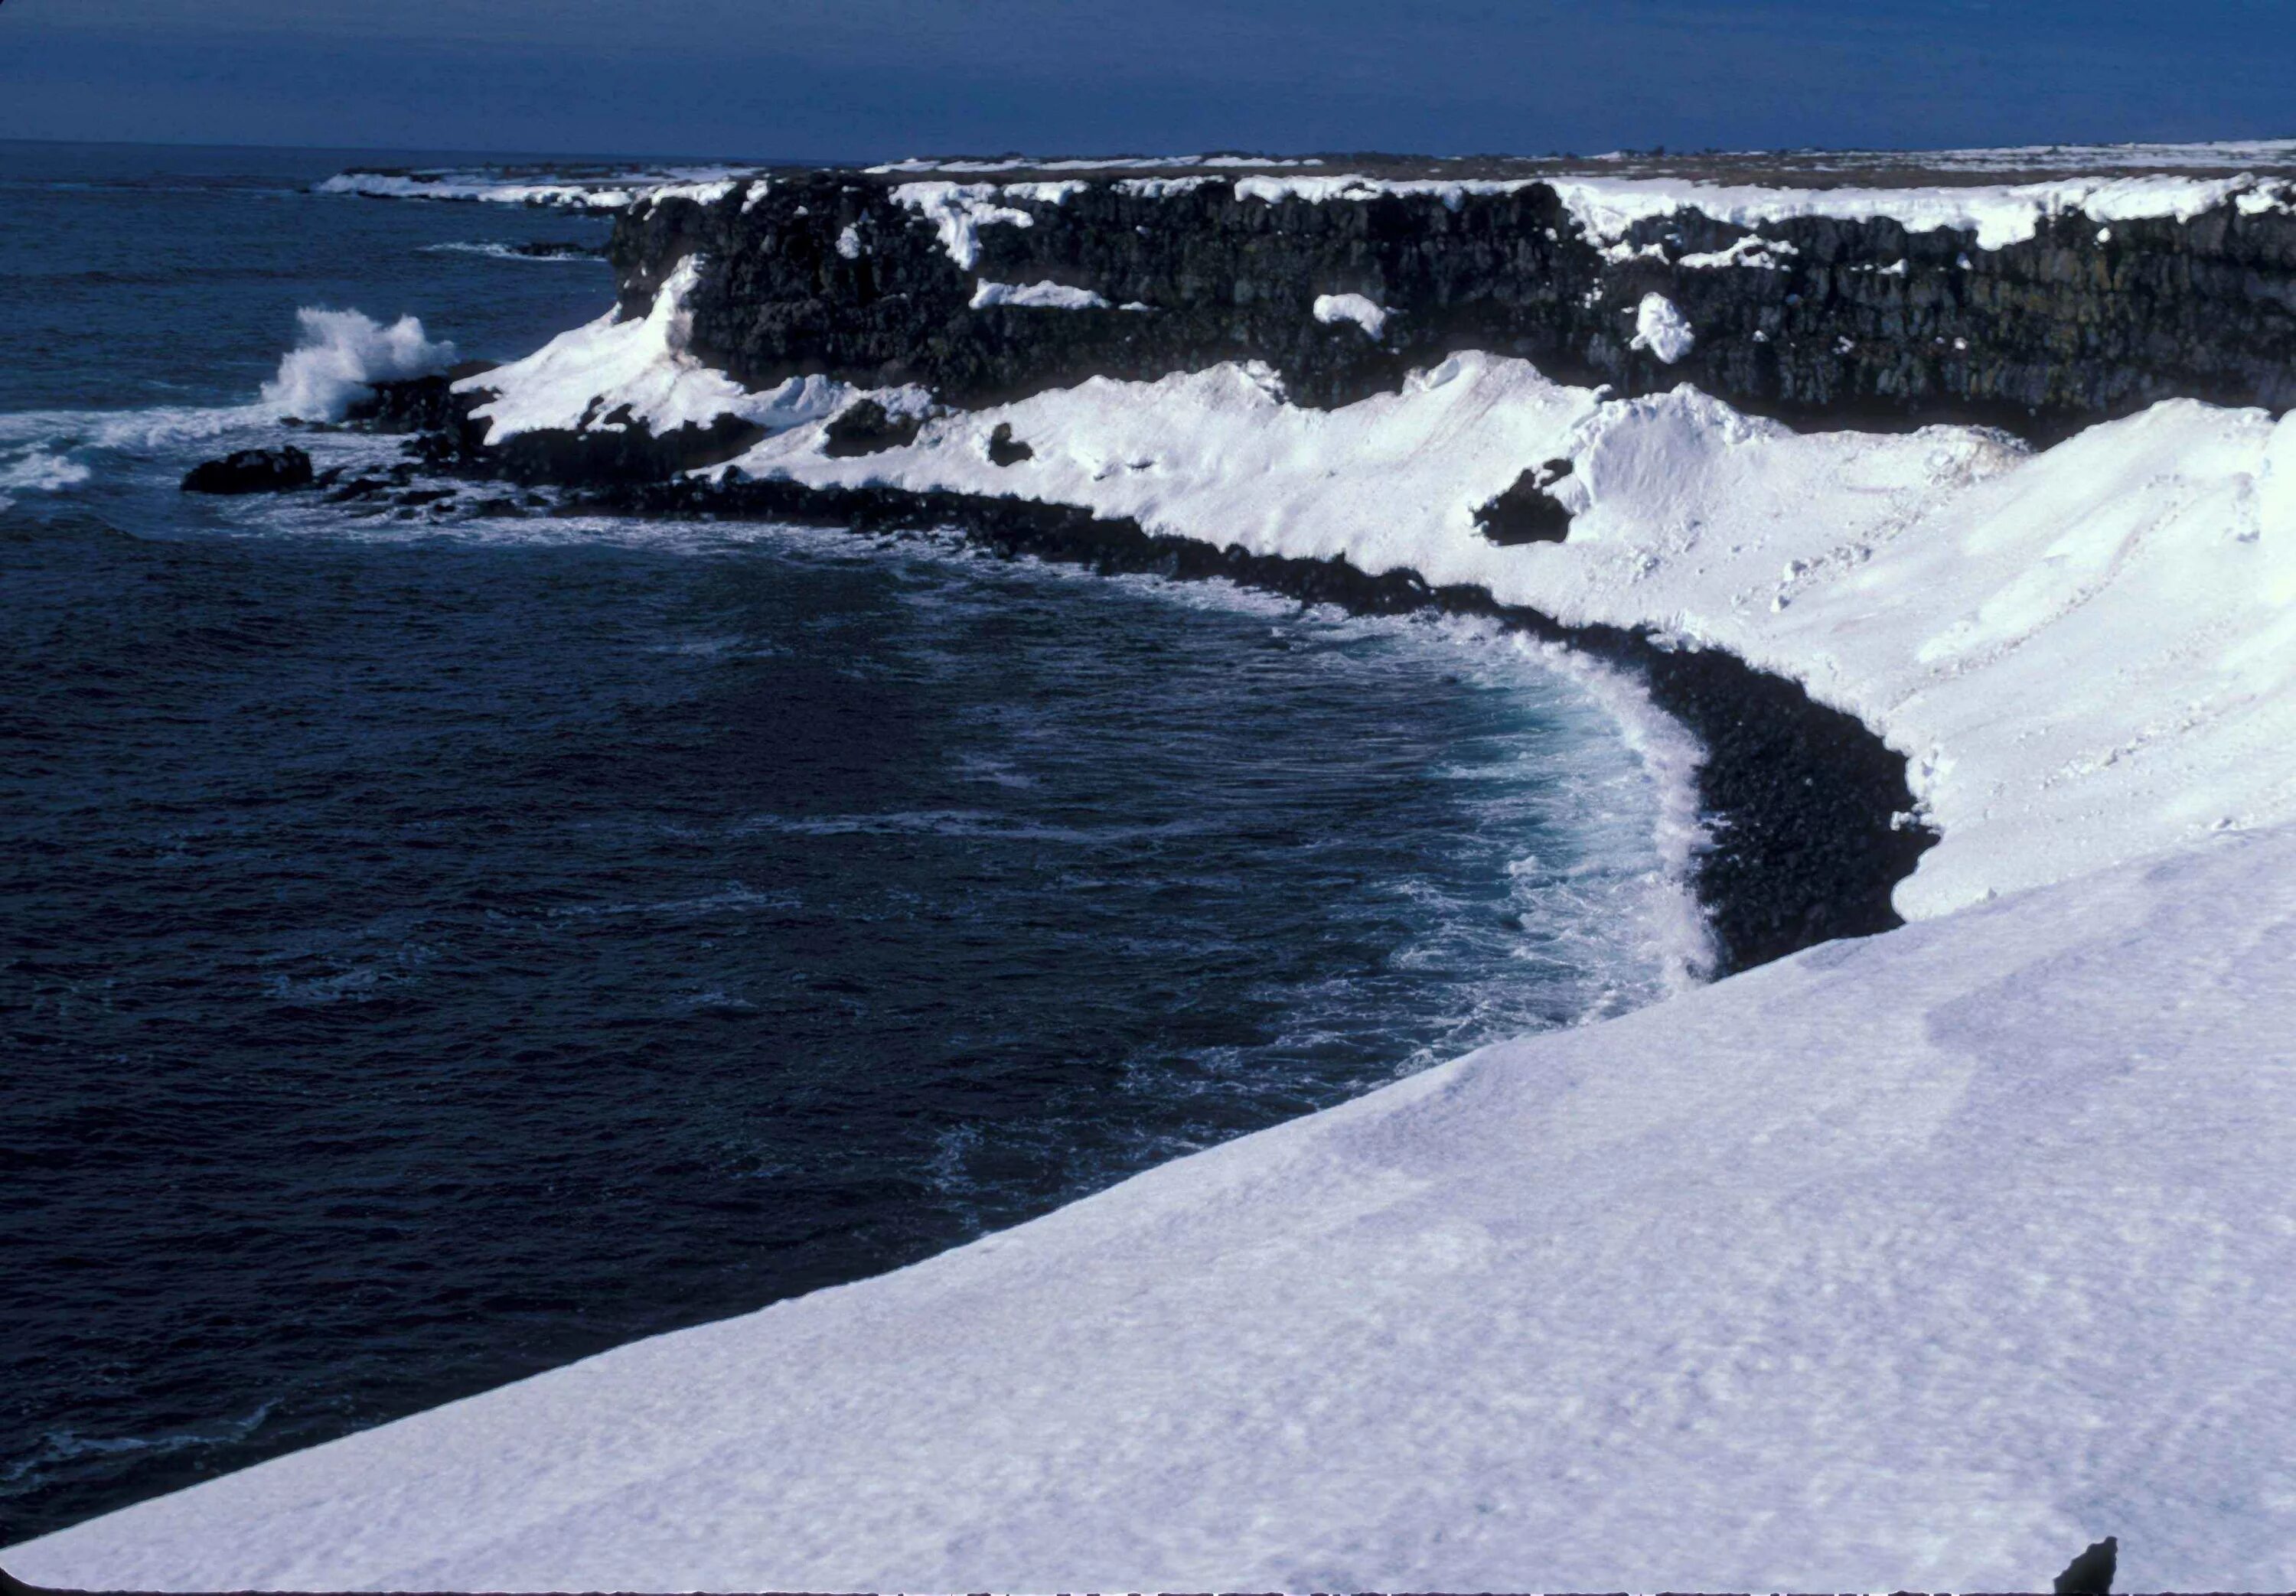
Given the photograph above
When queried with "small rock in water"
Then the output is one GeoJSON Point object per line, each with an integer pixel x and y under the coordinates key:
{"type": "Point", "coordinates": [251, 470]}
{"type": "Point", "coordinates": [2091, 1573]}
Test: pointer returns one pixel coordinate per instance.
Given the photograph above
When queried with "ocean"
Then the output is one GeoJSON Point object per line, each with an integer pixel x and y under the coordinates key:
{"type": "Point", "coordinates": [436, 946]}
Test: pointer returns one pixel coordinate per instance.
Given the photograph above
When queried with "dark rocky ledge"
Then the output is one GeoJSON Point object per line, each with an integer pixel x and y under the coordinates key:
{"type": "Point", "coordinates": [1865, 324]}
{"type": "Point", "coordinates": [1808, 809]}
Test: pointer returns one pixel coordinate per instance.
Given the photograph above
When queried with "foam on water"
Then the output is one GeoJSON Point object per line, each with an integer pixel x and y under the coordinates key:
{"type": "Point", "coordinates": [341, 354]}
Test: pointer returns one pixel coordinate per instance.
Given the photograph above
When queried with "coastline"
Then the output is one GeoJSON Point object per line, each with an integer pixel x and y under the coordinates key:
{"type": "Point", "coordinates": [1766, 1282]}
{"type": "Point", "coordinates": [1807, 805]}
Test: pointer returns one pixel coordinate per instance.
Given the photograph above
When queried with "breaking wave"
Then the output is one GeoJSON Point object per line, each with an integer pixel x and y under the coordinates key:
{"type": "Point", "coordinates": [341, 354]}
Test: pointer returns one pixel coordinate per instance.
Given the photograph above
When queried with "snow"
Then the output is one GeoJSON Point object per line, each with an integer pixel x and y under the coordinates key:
{"type": "Point", "coordinates": [1997, 216]}
{"type": "Point", "coordinates": [1661, 328]}
{"type": "Point", "coordinates": [1332, 309]}
{"type": "Point", "coordinates": [1914, 1262]}
{"type": "Point", "coordinates": [700, 194]}
{"type": "Point", "coordinates": [1041, 296]}
{"type": "Point", "coordinates": [1922, 1260]}
{"type": "Point", "coordinates": [605, 190]}
{"type": "Point", "coordinates": [581, 379]}
{"type": "Point", "coordinates": [848, 242]}
{"type": "Point", "coordinates": [2230, 153]}
{"type": "Point", "coordinates": [1162, 188]}
{"type": "Point", "coordinates": [959, 210]}
{"type": "Point", "coordinates": [1127, 163]}
{"type": "Point", "coordinates": [1607, 209]}
{"type": "Point", "coordinates": [2082, 650]}
{"type": "Point", "coordinates": [1764, 254]}
{"type": "Point", "coordinates": [342, 352]}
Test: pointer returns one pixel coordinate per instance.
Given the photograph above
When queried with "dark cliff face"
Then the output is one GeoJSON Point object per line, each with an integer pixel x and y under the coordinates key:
{"type": "Point", "coordinates": [2076, 324]}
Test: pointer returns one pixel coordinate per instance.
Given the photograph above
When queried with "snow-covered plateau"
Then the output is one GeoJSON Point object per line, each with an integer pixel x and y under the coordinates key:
{"type": "Point", "coordinates": [1919, 1260]}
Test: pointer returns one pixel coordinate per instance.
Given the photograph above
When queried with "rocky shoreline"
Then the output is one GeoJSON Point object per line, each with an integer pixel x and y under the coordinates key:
{"type": "Point", "coordinates": [972, 293]}
{"type": "Point", "coordinates": [1809, 811]}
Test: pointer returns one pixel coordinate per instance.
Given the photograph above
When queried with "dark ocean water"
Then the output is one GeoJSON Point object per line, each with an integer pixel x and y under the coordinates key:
{"type": "Point", "coordinates": [431, 950]}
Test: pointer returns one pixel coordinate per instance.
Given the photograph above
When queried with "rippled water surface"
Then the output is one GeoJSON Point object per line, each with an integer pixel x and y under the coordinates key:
{"type": "Point", "coordinates": [431, 950]}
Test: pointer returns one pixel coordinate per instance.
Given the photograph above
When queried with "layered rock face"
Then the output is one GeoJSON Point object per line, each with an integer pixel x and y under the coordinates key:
{"type": "Point", "coordinates": [1854, 322]}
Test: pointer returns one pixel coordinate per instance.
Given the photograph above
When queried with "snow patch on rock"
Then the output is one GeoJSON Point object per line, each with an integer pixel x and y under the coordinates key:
{"type": "Point", "coordinates": [1661, 328]}
{"type": "Point", "coordinates": [1038, 296]}
{"type": "Point", "coordinates": [584, 379]}
{"type": "Point", "coordinates": [1366, 314]}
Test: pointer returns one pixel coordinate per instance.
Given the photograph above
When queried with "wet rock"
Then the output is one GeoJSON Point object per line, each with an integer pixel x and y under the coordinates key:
{"type": "Point", "coordinates": [417, 404]}
{"type": "Point", "coordinates": [251, 470]}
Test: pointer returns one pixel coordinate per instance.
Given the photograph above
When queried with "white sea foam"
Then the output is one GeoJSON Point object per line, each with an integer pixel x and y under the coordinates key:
{"type": "Point", "coordinates": [494, 249]}
{"type": "Point", "coordinates": [38, 471]}
{"type": "Point", "coordinates": [342, 352]}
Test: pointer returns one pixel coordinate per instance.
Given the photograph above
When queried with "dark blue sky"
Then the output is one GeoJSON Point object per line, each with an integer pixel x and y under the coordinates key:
{"type": "Point", "coordinates": [838, 78]}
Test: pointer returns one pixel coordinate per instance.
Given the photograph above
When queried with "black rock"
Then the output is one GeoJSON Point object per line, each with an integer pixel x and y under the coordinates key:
{"type": "Point", "coordinates": [1526, 512]}
{"type": "Point", "coordinates": [865, 427]}
{"type": "Point", "coordinates": [1004, 449]}
{"type": "Point", "coordinates": [251, 470]}
{"type": "Point", "coordinates": [1860, 323]}
{"type": "Point", "coordinates": [2091, 1573]}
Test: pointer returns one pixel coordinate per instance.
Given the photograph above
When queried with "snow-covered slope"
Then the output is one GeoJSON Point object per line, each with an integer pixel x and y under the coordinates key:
{"type": "Point", "coordinates": [1914, 1262]}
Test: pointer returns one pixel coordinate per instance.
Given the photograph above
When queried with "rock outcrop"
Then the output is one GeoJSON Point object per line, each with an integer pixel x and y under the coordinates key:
{"type": "Point", "coordinates": [251, 470]}
{"type": "Point", "coordinates": [1848, 321]}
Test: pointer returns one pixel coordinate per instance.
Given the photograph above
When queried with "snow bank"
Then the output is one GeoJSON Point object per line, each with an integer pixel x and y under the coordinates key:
{"type": "Point", "coordinates": [582, 380]}
{"type": "Point", "coordinates": [1912, 1263]}
{"type": "Point", "coordinates": [1369, 314]}
{"type": "Point", "coordinates": [341, 353]}
{"type": "Point", "coordinates": [1040, 296]}
{"type": "Point", "coordinates": [1607, 208]}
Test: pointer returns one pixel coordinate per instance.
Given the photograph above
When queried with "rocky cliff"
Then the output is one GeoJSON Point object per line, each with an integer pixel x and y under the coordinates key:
{"type": "Point", "coordinates": [1849, 320]}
